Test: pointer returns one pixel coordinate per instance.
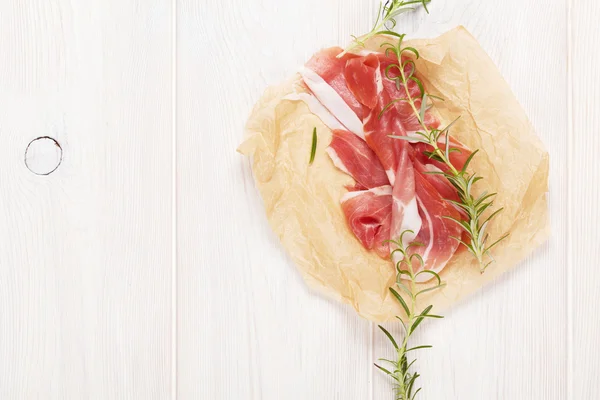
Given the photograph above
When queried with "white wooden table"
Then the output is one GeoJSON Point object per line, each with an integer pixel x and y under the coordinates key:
{"type": "Point", "coordinates": [143, 267]}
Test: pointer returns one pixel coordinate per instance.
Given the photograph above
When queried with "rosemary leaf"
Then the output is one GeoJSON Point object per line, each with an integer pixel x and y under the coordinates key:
{"type": "Point", "coordinates": [313, 148]}
{"type": "Point", "coordinates": [386, 21]}
{"type": "Point", "coordinates": [400, 300]}
{"type": "Point", "coordinates": [463, 181]}
{"type": "Point", "coordinates": [427, 346]}
{"type": "Point", "coordinates": [406, 282]}
{"type": "Point", "coordinates": [389, 335]}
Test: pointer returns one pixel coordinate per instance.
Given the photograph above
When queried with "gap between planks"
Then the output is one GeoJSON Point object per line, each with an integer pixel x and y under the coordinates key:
{"type": "Point", "coordinates": [173, 199]}
{"type": "Point", "coordinates": [569, 202]}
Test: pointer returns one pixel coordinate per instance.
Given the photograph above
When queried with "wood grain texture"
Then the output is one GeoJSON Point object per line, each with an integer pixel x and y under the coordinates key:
{"type": "Point", "coordinates": [247, 324]}
{"type": "Point", "coordinates": [248, 327]}
{"type": "Point", "coordinates": [584, 176]}
{"type": "Point", "coordinates": [85, 255]}
{"type": "Point", "coordinates": [85, 258]}
{"type": "Point", "coordinates": [509, 341]}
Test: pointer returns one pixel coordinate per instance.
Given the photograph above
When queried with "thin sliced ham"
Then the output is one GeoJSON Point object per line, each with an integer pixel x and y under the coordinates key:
{"type": "Point", "coordinates": [332, 101]}
{"type": "Point", "coordinates": [405, 212]}
{"type": "Point", "coordinates": [369, 216]}
{"type": "Point", "coordinates": [437, 232]}
{"type": "Point", "coordinates": [457, 157]}
{"type": "Point", "coordinates": [331, 69]}
{"type": "Point", "coordinates": [441, 184]}
{"type": "Point", "coordinates": [395, 191]}
{"type": "Point", "coordinates": [365, 80]}
{"type": "Point", "coordinates": [352, 155]}
{"type": "Point", "coordinates": [323, 74]}
{"type": "Point", "coordinates": [404, 111]}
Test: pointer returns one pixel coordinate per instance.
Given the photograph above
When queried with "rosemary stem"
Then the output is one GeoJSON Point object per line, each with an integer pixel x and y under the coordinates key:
{"type": "Point", "coordinates": [464, 191]}
{"type": "Point", "coordinates": [411, 101]}
{"type": "Point", "coordinates": [402, 371]}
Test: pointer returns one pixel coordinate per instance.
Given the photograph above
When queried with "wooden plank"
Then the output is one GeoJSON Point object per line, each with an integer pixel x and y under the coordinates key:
{"type": "Point", "coordinates": [508, 340]}
{"type": "Point", "coordinates": [85, 252]}
{"type": "Point", "coordinates": [584, 175]}
{"type": "Point", "coordinates": [248, 327]}
{"type": "Point", "coordinates": [245, 313]}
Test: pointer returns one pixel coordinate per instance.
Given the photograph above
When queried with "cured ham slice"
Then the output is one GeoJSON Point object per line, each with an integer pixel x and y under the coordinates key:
{"type": "Point", "coordinates": [437, 232]}
{"type": "Point", "coordinates": [441, 184]}
{"type": "Point", "coordinates": [405, 113]}
{"type": "Point", "coordinates": [395, 191]}
{"type": "Point", "coordinates": [331, 69]}
{"type": "Point", "coordinates": [457, 157]}
{"type": "Point", "coordinates": [405, 213]}
{"type": "Point", "coordinates": [365, 80]}
{"type": "Point", "coordinates": [332, 101]}
{"type": "Point", "coordinates": [352, 155]}
{"type": "Point", "coordinates": [369, 216]}
{"type": "Point", "coordinates": [323, 74]}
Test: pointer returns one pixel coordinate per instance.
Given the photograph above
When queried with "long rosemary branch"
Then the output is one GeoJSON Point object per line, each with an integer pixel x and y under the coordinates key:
{"type": "Point", "coordinates": [473, 207]}
{"type": "Point", "coordinates": [406, 283]}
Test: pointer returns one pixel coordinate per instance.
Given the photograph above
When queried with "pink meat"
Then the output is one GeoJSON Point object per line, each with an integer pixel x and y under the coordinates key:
{"type": "Point", "coordinates": [352, 155]}
{"type": "Point", "coordinates": [404, 111]}
{"type": "Point", "coordinates": [441, 184]}
{"type": "Point", "coordinates": [366, 73]}
{"type": "Point", "coordinates": [457, 158]}
{"type": "Point", "coordinates": [401, 195]}
{"type": "Point", "coordinates": [369, 216]}
{"type": "Point", "coordinates": [326, 64]}
{"type": "Point", "coordinates": [437, 233]}
{"type": "Point", "coordinates": [363, 79]}
{"type": "Point", "coordinates": [405, 212]}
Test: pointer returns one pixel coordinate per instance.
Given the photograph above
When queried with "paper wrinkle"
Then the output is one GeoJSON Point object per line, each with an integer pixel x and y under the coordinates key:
{"type": "Point", "coordinates": [302, 202]}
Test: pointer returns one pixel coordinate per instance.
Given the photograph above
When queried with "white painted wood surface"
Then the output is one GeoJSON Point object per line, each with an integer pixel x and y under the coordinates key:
{"type": "Point", "coordinates": [584, 179]}
{"type": "Point", "coordinates": [85, 252]}
{"type": "Point", "coordinates": [86, 256]}
{"type": "Point", "coordinates": [247, 323]}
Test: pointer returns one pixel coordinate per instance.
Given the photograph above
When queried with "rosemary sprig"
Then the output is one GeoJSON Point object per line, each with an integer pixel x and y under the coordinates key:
{"type": "Point", "coordinates": [473, 207]}
{"type": "Point", "coordinates": [400, 372]}
{"type": "Point", "coordinates": [313, 147]}
{"type": "Point", "coordinates": [386, 20]}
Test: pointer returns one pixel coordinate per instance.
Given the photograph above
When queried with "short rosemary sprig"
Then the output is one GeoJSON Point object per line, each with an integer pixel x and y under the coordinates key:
{"type": "Point", "coordinates": [386, 20]}
{"type": "Point", "coordinates": [404, 379]}
{"type": "Point", "coordinates": [473, 207]}
{"type": "Point", "coordinates": [313, 146]}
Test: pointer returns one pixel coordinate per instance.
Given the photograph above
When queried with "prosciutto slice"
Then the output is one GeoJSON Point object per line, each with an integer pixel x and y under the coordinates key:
{"type": "Point", "coordinates": [405, 213]}
{"type": "Point", "coordinates": [352, 155]}
{"type": "Point", "coordinates": [404, 111]}
{"type": "Point", "coordinates": [394, 190]}
{"type": "Point", "coordinates": [323, 74]}
{"type": "Point", "coordinates": [365, 80]}
{"type": "Point", "coordinates": [437, 232]}
{"type": "Point", "coordinates": [441, 184]}
{"type": "Point", "coordinates": [369, 216]}
{"type": "Point", "coordinates": [457, 157]}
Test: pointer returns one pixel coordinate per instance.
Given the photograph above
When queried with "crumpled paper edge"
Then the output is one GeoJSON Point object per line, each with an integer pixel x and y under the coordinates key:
{"type": "Point", "coordinates": [452, 66]}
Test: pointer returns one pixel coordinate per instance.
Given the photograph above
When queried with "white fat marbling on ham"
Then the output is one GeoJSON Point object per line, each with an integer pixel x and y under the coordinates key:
{"type": "Point", "coordinates": [337, 161]}
{"type": "Point", "coordinates": [378, 191]}
{"type": "Point", "coordinates": [353, 92]}
{"type": "Point", "coordinates": [353, 156]}
{"type": "Point", "coordinates": [406, 221]}
{"type": "Point", "coordinates": [369, 214]}
{"type": "Point", "coordinates": [332, 101]}
{"type": "Point", "coordinates": [432, 168]}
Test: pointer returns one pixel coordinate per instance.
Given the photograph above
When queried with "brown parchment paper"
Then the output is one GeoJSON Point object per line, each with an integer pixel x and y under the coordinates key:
{"type": "Point", "coordinates": [302, 201]}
